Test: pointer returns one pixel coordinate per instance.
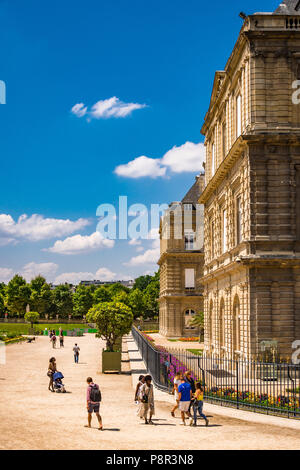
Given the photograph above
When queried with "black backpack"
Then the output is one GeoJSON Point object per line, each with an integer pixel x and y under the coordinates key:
{"type": "Point", "coordinates": [95, 394]}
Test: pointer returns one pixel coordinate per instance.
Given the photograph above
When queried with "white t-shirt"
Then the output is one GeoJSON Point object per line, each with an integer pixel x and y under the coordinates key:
{"type": "Point", "coordinates": [177, 382]}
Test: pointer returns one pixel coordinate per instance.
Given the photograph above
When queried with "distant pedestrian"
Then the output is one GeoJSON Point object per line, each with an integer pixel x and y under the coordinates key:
{"type": "Point", "coordinates": [177, 382]}
{"type": "Point", "coordinates": [51, 370]}
{"type": "Point", "coordinates": [198, 405]}
{"type": "Point", "coordinates": [76, 350]}
{"type": "Point", "coordinates": [61, 341]}
{"type": "Point", "coordinates": [147, 400]}
{"type": "Point", "coordinates": [185, 397]}
{"type": "Point", "coordinates": [53, 341]}
{"type": "Point", "coordinates": [93, 398]}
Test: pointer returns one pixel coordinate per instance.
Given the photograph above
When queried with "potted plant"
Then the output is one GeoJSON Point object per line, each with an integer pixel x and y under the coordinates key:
{"type": "Point", "coordinates": [32, 317]}
{"type": "Point", "coordinates": [113, 320]}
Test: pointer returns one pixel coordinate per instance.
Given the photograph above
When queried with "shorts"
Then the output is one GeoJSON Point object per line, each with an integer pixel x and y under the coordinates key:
{"type": "Point", "coordinates": [184, 406]}
{"type": "Point", "coordinates": [94, 407]}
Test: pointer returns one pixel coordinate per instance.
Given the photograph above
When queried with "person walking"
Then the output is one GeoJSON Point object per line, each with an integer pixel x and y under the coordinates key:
{"type": "Point", "coordinates": [198, 405]}
{"type": "Point", "coordinates": [53, 341]}
{"type": "Point", "coordinates": [147, 400]}
{"type": "Point", "coordinates": [51, 370]}
{"type": "Point", "coordinates": [76, 350]}
{"type": "Point", "coordinates": [137, 395]}
{"type": "Point", "coordinates": [177, 382]}
{"type": "Point", "coordinates": [93, 399]}
{"type": "Point", "coordinates": [185, 397]}
{"type": "Point", "coordinates": [61, 341]}
{"type": "Point", "coordinates": [189, 379]}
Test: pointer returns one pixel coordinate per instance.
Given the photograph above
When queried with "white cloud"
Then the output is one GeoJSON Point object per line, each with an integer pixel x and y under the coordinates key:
{"type": "Point", "coordinates": [31, 270]}
{"type": "Point", "coordinates": [149, 257]}
{"type": "Point", "coordinates": [153, 234]}
{"type": "Point", "coordinates": [36, 227]}
{"type": "Point", "coordinates": [135, 242]}
{"type": "Point", "coordinates": [105, 109]}
{"type": "Point", "coordinates": [6, 274]}
{"type": "Point", "coordinates": [74, 278]}
{"type": "Point", "coordinates": [141, 167]}
{"type": "Point", "coordinates": [188, 158]}
{"type": "Point", "coordinates": [81, 244]}
{"type": "Point", "coordinates": [79, 109]}
{"type": "Point", "coordinates": [103, 274]}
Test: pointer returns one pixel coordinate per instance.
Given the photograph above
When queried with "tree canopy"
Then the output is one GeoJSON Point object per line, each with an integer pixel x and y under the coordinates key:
{"type": "Point", "coordinates": [113, 320]}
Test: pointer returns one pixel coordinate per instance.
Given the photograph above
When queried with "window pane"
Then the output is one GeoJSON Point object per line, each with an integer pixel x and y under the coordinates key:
{"type": "Point", "coordinates": [190, 279]}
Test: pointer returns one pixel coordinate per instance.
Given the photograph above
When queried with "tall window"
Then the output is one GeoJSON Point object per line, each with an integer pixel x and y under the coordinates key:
{"type": "Point", "coordinates": [222, 324]}
{"type": "Point", "coordinates": [212, 239]}
{"type": "Point", "coordinates": [238, 116]}
{"type": "Point", "coordinates": [213, 160]}
{"type": "Point", "coordinates": [189, 241]}
{"type": "Point", "coordinates": [224, 229]}
{"type": "Point", "coordinates": [190, 278]}
{"type": "Point", "coordinates": [224, 141]}
{"type": "Point", "coordinates": [238, 221]}
{"type": "Point", "coordinates": [236, 336]}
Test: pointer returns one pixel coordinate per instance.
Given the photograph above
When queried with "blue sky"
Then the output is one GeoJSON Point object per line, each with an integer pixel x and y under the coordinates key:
{"type": "Point", "coordinates": [57, 166]}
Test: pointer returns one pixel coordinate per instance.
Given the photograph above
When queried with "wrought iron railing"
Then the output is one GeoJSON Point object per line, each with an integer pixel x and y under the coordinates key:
{"type": "Point", "coordinates": [269, 388]}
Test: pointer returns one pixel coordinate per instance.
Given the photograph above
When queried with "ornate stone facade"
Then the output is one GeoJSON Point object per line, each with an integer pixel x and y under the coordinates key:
{"type": "Point", "coordinates": [181, 264]}
{"type": "Point", "coordinates": [252, 194]}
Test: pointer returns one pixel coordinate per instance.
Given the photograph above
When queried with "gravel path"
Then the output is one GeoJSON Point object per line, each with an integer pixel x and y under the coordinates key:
{"type": "Point", "coordinates": [34, 418]}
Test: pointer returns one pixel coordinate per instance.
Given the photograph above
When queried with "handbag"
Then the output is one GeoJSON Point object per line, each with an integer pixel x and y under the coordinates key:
{"type": "Point", "coordinates": [145, 398]}
{"type": "Point", "coordinates": [50, 373]}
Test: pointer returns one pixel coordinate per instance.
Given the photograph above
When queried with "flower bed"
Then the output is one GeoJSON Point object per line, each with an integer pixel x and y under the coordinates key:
{"type": "Point", "coordinates": [189, 340]}
{"type": "Point", "coordinates": [148, 338]}
{"type": "Point", "coordinates": [255, 400]}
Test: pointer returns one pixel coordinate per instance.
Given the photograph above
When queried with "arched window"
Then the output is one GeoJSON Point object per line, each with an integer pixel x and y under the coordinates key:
{"type": "Point", "coordinates": [222, 324]}
{"type": "Point", "coordinates": [236, 333]}
{"type": "Point", "coordinates": [210, 322]}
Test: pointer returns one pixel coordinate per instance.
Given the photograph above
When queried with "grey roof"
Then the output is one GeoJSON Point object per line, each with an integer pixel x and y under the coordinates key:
{"type": "Point", "coordinates": [288, 7]}
{"type": "Point", "coordinates": [195, 191]}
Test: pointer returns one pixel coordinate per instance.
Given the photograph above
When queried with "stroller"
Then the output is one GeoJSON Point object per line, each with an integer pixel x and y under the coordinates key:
{"type": "Point", "coordinates": [57, 382]}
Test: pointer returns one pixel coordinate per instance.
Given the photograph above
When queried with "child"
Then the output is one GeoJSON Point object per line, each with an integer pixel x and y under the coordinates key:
{"type": "Point", "coordinates": [198, 405]}
{"type": "Point", "coordinates": [58, 385]}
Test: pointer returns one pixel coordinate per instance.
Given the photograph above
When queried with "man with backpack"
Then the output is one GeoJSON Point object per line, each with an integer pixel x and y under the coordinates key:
{"type": "Point", "coordinates": [93, 398]}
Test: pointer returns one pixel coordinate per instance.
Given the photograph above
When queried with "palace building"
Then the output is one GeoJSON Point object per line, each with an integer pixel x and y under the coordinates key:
{"type": "Point", "coordinates": [181, 264]}
{"type": "Point", "coordinates": [251, 278]}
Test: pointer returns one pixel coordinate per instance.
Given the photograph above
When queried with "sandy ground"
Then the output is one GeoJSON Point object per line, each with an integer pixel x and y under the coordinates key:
{"type": "Point", "coordinates": [34, 418]}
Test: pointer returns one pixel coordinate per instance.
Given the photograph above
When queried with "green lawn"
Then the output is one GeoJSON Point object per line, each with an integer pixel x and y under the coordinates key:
{"type": "Point", "coordinates": [23, 328]}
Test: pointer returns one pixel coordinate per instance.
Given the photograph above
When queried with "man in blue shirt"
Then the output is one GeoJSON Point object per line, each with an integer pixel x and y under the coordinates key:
{"type": "Point", "coordinates": [185, 396]}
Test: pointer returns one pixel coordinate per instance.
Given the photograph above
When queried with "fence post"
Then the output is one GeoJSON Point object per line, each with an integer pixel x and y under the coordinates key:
{"type": "Point", "coordinates": [237, 385]}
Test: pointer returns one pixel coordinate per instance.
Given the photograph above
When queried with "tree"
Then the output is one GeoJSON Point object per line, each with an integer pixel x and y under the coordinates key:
{"type": "Point", "coordinates": [114, 289]}
{"type": "Point", "coordinates": [122, 297]}
{"type": "Point", "coordinates": [32, 317]}
{"type": "Point", "coordinates": [2, 305]}
{"type": "Point", "coordinates": [18, 295]}
{"type": "Point", "coordinates": [198, 321]}
{"type": "Point", "coordinates": [101, 294]}
{"type": "Point", "coordinates": [142, 282]}
{"type": "Point", "coordinates": [63, 300]}
{"type": "Point", "coordinates": [113, 320]}
{"type": "Point", "coordinates": [40, 298]}
{"type": "Point", "coordinates": [136, 303]}
{"type": "Point", "coordinates": [82, 300]}
{"type": "Point", "coordinates": [151, 295]}
{"type": "Point", "coordinates": [2, 288]}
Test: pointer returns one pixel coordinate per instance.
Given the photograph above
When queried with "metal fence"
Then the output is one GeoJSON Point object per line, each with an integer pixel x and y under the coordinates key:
{"type": "Point", "coordinates": [254, 386]}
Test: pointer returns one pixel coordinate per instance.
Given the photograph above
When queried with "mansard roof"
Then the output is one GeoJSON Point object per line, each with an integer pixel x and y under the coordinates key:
{"type": "Point", "coordinates": [288, 7]}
